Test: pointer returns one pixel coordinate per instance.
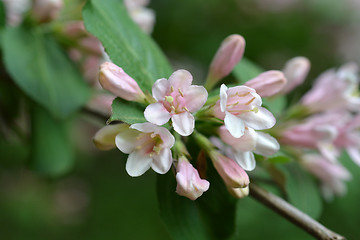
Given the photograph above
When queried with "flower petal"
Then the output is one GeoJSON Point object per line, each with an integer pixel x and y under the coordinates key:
{"type": "Point", "coordinates": [263, 119]}
{"type": "Point", "coordinates": [181, 79]}
{"type": "Point", "coordinates": [156, 113]}
{"type": "Point", "coordinates": [196, 97]}
{"type": "Point", "coordinates": [266, 145]}
{"type": "Point", "coordinates": [246, 160]}
{"type": "Point", "coordinates": [144, 127]}
{"type": "Point", "coordinates": [137, 163]}
{"type": "Point", "coordinates": [126, 140]}
{"type": "Point", "coordinates": [223, 97]}
{"type": "Point", "coordinates": [234, 124]}
{"type": "Point", "coordinates": [354, 154]}
{"type": "Point", "coordinates": [160, 88]}
{"type": "Point", "coordinates": [104, 139]}
{"type": "Point", "coordinates": [183, 123]}
{"type": "Point", "coordinates": [167, 138]}
{"type": "Point", "coordinates": [162, 162]}
{"type": "Point", "coordinates": [245, 143]}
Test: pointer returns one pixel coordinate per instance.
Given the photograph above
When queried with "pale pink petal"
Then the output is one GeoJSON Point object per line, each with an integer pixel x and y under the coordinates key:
{"type": "Point", "coordinates": [354, 154]}
{"type": "Point", "coordinates": [156, 113]}
{"type": "Point", "coordinates": [144, 127]}
{"type": "Point", "coordinates": [234, 124]}
{"type": "Point", "coordinates": [167, 138]}
{"type": "Point", "coordinates": [181, 79]}
{"type": "Point", "coordinates": [245, 143]}
{"type": "Point", "coordinates": [266, 145]}
{"type": "Point", "coordinates": [183, 123]}
{"type": "Point", "coordinates": [196, 97]}
{"type": "Point", "coordinates": [328, 150]}
{"type": "Point", "coordinates": [246, 160]}
{"type": "Point", "coordinates": [160, 88]}
{"type": "Point", "coordinates": [263, 119]}
{"type": "Point", "coordinates": [223, 97]}
{"type": "Point", "coordinates": [104, 139]}
{"type": "Point", "coordinates": [162, 162]}
{"type": "Point", "coordinates": [137, 163]}
{"type": "Point", "coordinates": [126, 140]}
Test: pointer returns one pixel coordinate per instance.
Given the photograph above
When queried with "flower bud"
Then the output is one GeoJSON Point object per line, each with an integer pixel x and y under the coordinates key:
{"type": "Point", "coordinates": [104, 139]}
{"type": "Point", "coordinates": [232, 174]}
{"type": "Point", "coordinates": [101, 103]}
{"type": "Point", "coordinates": [239, 192]}
{"type": "Point", "coordinates": [189, 183]}
{"type": "Point", "coordinates": [268, 83]}
{"type": "Point", "coordinates": [295, 71]}
{"type": "Point", "coordinates": [46, 10]}
{"type": "Point", "coordinates": [115, 80]}
{"type": "Point", "coordinates": [225, 59]}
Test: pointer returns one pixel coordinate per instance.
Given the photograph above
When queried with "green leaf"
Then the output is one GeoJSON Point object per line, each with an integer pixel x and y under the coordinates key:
{"type": "Point", "coordinates": [42, 70]}
{"type": "Point", "coordinates": [52, 152]}
{"type": "Point", "coordinates": [2, 16]}
{"type": "Point", "coordinates": [127, 45]}
{"type": "Point", "coordinates": [246, 70]}
{"type": "Point", "coordinates": [180, 215]}
{"type": "Point", "coordinates": [302, 190]}
{"type": "Point", "coordinates": [275, 105]}
{"type": "Point", "coordinates": [128, 112]}
{"type": "Point", "coordinates": [279, 157]}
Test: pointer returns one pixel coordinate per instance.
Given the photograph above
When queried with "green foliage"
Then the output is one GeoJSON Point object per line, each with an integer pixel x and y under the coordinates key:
{"type": "Point", "coordinates": [275, 104]}
{"type": "Point", "coordinates": [2, 16]}
{"type": "Point", "coordinates": [302, 190]}
{"type": "Point", "coordinates": [52, 152]}
{"type": "Point", "coordinates": [246, 70]}
{"type": "Point", "coordinates": [128, 112]}
{"type": "Point", "coordinates": [43, 71]}
{"type": "Point", "coordinates": [124, 41]}
{"type": "Point", "coordinates": [279, 157]}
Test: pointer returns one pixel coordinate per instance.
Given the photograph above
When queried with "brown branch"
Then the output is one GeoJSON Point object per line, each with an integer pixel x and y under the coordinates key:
{"type": "Point", "coordinates": [293, 214]}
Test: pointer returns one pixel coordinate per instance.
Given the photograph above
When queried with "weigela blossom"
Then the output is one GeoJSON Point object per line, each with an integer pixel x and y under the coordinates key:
{"type": "Point", "coordinates": [332, 175]}
{"type": "Point", "coordinates": [104, 138]}
{"type": "Point", "coordinates": [189, 183]}
{"type": "Point", "coordinates": [240, 107]}
{"type": "Point", "coordinates": [243, 148]}
{"type": "Point", "coordinates": [176, 99]}
{"type": "Point", "coordinates": [148, 146]}
{"type": "Point", "coordinates": [334, 90]}
{"type": "Point", "coordinates": [295, 71]}
{"type": "Point", "coordinates": [268, 83]}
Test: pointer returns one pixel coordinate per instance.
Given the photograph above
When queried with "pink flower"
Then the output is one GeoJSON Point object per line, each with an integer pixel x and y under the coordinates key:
{"type": "Point", "coordinates": [330, 174]}
{"type": "Point", "coordinates": [148, 146]}
{"type": "Point", "coordinates": [115, 80]}
{"type": "Point", "coordinates": [189, 183]}
{"type": "Point", "coordinates": [176, 99]}
{"type": "Point", "coordinates": [46, 10]}
{"type": "Point", "coordinates": [240, 107]}
{"type": "Point", "coordinates": [267, 83]}
{"type": "Point", "coordinates": [295, 71]}
{"type": "Point", "coordinates": [232, 174]}
{"type": "Point", "coordinates": [334, 90]}
{"type": "Point", "coordinates": [242, 148]}
{"type": "Point", "coordinates": [225, 59]}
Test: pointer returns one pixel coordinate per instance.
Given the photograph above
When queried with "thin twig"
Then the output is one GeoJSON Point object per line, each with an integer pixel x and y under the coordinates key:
{"type": "Point", "coordinates": [293, 214]}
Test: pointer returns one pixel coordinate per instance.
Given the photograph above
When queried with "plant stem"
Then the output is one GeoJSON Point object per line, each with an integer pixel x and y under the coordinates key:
{"type": "Point", "coordinates": [293, 214]}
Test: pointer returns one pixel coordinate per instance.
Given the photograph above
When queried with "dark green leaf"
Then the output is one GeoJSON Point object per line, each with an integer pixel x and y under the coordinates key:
{"type": "Point", "coordinates": [126, 44]}
{"type": "Point", "coordinates": [246, 70]}
{"type": "Point", "coordinates": [2, 16]}
{"type": "Point", "coordinates": [180, 215]}
{"type": "Point", "coordinates": [52, 152]}
{"type": "Point", "coordinates": [128, 112]}
{"type": "Point", "coordinates": [42, 70]}
{"type": "Point", "coordinates": [301, 190]}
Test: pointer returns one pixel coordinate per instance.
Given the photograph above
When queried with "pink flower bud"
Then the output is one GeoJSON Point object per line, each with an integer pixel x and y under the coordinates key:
{"type": "Point", "coordinates": [268, 83]}
{"type": "Point", "coordinates": [225, 59]}
{"type": "Point", "coordinates": [115, 80]}
{"type": "Point", "coordinates": [189, 183]}
{"type": "Point", "coordinates": [232, 174]}
{"type": "Point", "coordinates": [104, 139]}
{"type": "Point", "coordinates": [46, 10]}
{"type": "Point", "coordinates": [239, 192]}
{"type": "Point", "coordinates": [295, 71]}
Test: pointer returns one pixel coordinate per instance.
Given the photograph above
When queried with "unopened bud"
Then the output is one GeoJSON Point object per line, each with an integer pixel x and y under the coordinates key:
{"type": "Point", "coordinates": [46, 10]}
{"type": "Point", "coordinates": [225, 59]}
{"type": "Point", "coordinates": [115, 80]}
{"type": "Point", "coordinates": [104, 139]}
{"type": "Point", "coordinates": [232, 174]}
{"type": "Point", "coordinates": [295, 71]}
{"type": "Point", "coordinates": [189, 183]}
{"type": "Point", "coordinates": [239, 192]}
{"type": "Point", "coordinates": [268, 83]}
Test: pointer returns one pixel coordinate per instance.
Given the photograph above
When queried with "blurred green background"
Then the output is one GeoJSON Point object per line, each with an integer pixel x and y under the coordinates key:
{"type": "Point", "coordinates": [98, 200]}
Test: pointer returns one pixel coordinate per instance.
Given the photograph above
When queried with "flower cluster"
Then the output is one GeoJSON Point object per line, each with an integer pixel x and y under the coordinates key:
{"type": "Point", "coordinates": [324, 122]}
{"type": "Point", "coordinates": [175, 110]}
